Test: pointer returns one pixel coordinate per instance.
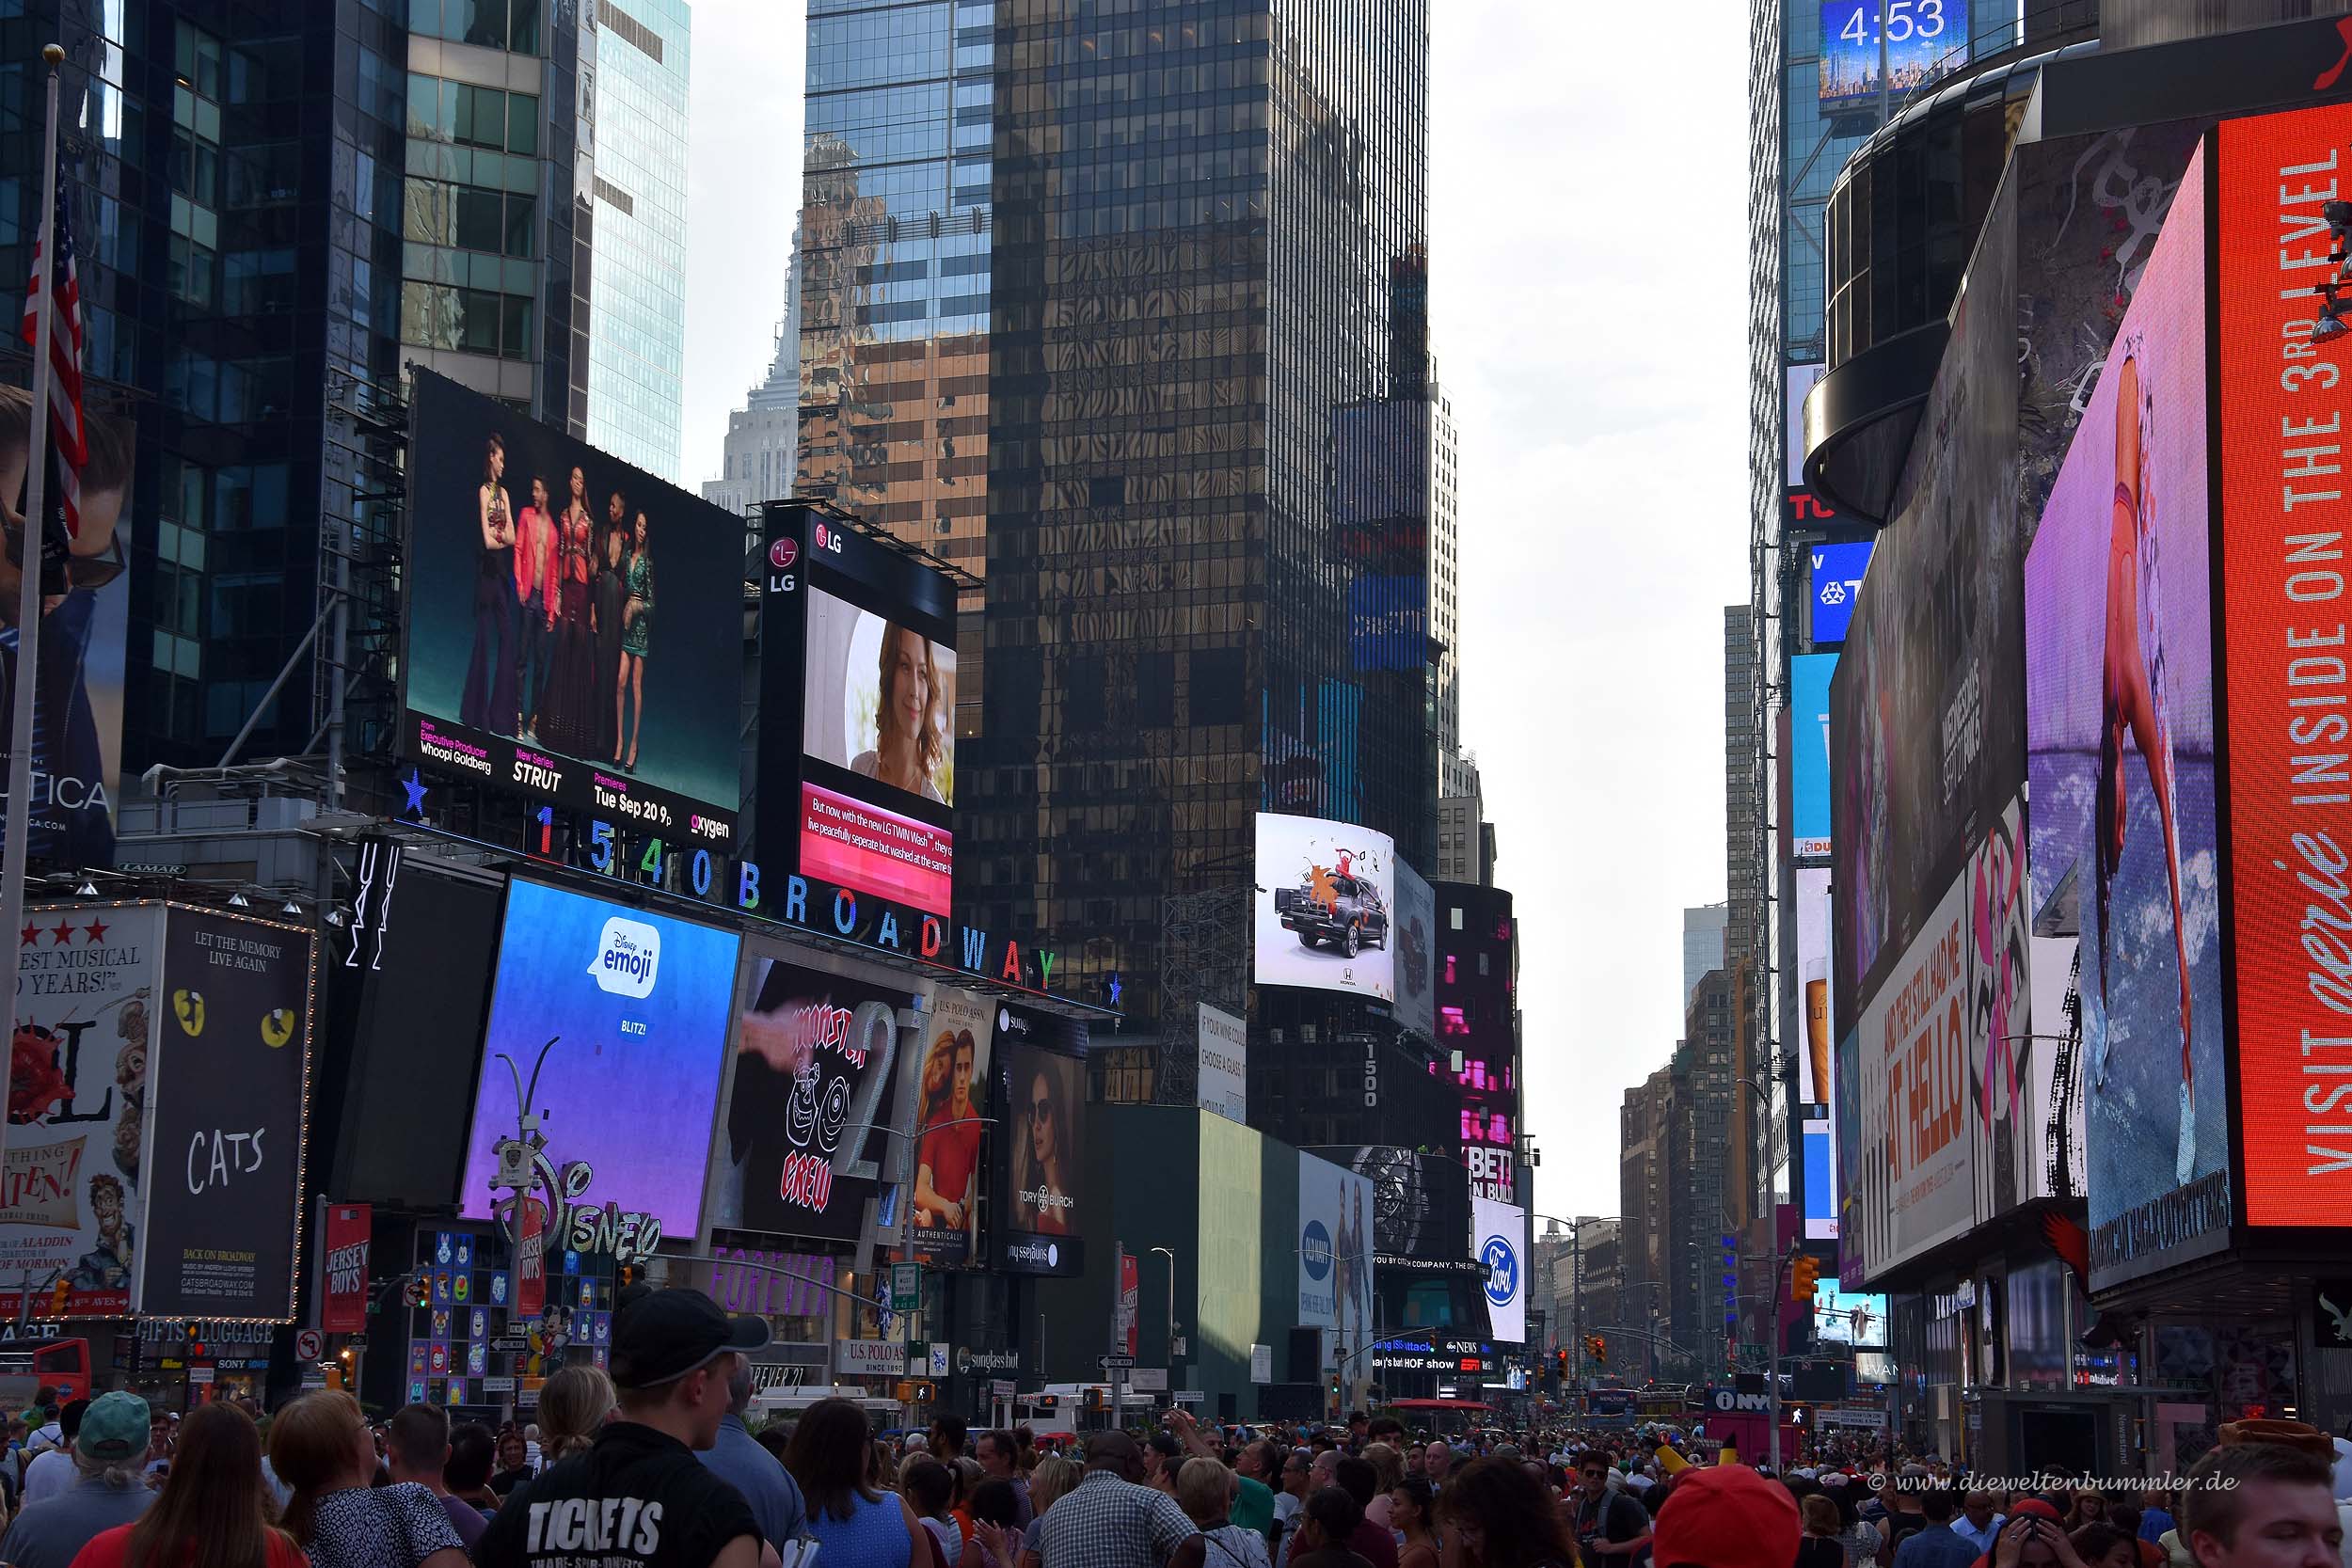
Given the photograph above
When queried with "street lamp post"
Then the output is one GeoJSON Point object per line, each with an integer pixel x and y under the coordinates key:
{"type": "Point", "coordinates": [1576, 1297]}
{"type": "Point", "coordinates": [1170, 1256]}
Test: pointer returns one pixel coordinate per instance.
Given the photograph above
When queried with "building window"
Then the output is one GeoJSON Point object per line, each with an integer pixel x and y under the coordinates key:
{"type": "Point", "coordinates": [508, 25]}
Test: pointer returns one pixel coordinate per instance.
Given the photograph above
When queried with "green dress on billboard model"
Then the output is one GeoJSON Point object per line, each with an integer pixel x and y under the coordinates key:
{"type": "Point", "coordinates": [639, 632]}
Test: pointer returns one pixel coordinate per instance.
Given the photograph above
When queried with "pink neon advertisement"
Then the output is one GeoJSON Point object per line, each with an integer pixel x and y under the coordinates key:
{"type": "Point", "coordinates": [874, 850]}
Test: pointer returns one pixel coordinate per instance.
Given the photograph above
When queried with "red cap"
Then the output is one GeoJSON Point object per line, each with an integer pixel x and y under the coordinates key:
{"type": "Point", "coordinates": [1727, 1516]}
{"type": "Point", "coordinates": [2038, 1509]}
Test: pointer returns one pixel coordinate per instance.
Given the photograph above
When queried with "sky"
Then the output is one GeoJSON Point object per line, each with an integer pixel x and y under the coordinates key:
{"type": "Point", "coordinates": [1588, 304]}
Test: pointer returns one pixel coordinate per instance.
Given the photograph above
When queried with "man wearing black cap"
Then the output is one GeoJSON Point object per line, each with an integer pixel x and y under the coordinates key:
{"type": "Point", "coordinates": [640, 1496]}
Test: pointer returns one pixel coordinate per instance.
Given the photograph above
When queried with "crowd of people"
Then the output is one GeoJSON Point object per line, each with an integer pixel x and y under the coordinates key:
{"type": "Point", "coordinates": [655, 1465]}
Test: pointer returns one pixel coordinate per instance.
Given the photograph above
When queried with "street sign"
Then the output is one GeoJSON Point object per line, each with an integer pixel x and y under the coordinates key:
{"type": "Point", "coordinates": [906, 1287]}
{"type": "Point", "coordinates": [310, 1344]}
{"type": "Point", "coordinates": [1176, 1348]}
{"type": "Point", "coordinates": [1149, 1380]}
{"type": "Point", "coordinates": [1189, 1396]}
{"type": "Point", "coordinates": [1000, 1388]}
{"type": "Point", "coordinates": [1115, 1363]}
{"type": "Point", "coordinates": [514, 1345]}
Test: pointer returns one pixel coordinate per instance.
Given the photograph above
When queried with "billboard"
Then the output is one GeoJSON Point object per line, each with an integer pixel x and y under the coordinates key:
{"type": "Point", "coordinates": [1927, 740]}
{"type": "Point", "coordinates": [229, 1081]}
{"type": "Point", "coordinates": [2289, 787]}
{"type": "Point", "coordinates": [1916, 1182]}
{"type": "Point", "coordinates": [1477, 1006]}
{"type": "Point", "coordinates": [1834, 573]}
{"type": "Point", "coordinates": [1387, 622]}
{"type": "Point", "coordinates": [1040, 1216]}
{"type": "Point", "coordinates": [1821, 1182]}
{"type": "Point", "coordinates": [1895, 46]}
{"type": "Point", "coordinates": [858, 692]}
{"type": "Point", "coordinates": [814, 1053]}
{"type": "Point", "coordinates": [575, 625]}
{"type": "Point", "coordinates": [1325, 903]}
{"type": "Point", "coordinates": [1848, 1318]}
{"type": "Point", "coordinates": [946, 1084]}
{"type": "Point", "coordinates": [408, 984]}
{"type": "Point", "coordinates": [1335, 1252]}
{"type": "Point", "coordinates": [1499, 1246]}
{"type": "Point", "coordinates": [345, 1236]}
{"type": "Point", "coordinates": [1222, 1081]}
{"type": "Point", "coordinates": [1808, 747]}
{"type": "Point", "coordinates": [1416, 947]}
{"type": "Point", "coordinates": [77, 764]}
{"type": "Point", "coordinates": [630, 1009]}
{"type": "Point", "coordinates": [2119, 754]}
{"type": "Point", "coordinates": [89, 1004]}
{"type": "Point", "coordinates": [1819, 1021]}
{"type": "Point", "coordinates": [1420, 1205]}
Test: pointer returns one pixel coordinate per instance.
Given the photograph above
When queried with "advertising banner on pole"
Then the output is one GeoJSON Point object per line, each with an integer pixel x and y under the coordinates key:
{"type": "Point", "coordinates": [1335, 1251]}
{"type": "Point", "coordinates": [345, 1238]}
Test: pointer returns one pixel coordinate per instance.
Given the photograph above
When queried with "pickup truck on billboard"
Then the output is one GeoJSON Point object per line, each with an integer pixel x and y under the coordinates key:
{"type": "Point", "coordinates": [1335, 908]}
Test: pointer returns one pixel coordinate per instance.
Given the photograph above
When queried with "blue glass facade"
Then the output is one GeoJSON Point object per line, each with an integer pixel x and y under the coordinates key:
{"type": "Point", "coordinates": [637, 298]}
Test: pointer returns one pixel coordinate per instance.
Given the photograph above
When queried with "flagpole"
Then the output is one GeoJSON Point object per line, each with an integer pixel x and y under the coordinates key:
{"type": "Point", "coordinates": [13, 847]}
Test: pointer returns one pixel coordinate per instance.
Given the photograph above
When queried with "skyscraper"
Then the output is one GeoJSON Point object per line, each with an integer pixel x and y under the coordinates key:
{"type": "Point", "coordinates": [761, 453]}
{"type": "Point", "coordinates": [1703, 931]}
{"type": "Point", "coordinates": [278, 204]}
{"type": "Point", "coordinates": [1086, 296]}
{"type": "Point", "coordinates": [637, 289]}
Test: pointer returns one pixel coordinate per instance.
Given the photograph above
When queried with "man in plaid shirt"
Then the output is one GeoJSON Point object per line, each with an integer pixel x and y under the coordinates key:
{"type": "Point", "coordinates": [1109, 1520]}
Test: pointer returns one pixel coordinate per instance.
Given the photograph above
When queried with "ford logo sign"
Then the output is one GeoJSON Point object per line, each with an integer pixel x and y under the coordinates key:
{"type": "Point", "coordinates": [1314, 1249]}
{"type": "Point", "coordinates": [1503, 1270]}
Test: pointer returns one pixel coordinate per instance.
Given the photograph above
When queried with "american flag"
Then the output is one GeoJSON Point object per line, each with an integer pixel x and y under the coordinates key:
{"type": "Point", "coordinates": [67, 444]}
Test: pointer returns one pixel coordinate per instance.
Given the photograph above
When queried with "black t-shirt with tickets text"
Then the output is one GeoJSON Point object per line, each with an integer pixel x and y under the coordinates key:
{"type": "Point", "coordinates": [637, 1499]}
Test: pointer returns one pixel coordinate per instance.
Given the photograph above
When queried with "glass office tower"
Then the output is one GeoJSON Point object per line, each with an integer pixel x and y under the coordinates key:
{"type": "Point", "coordinates": [637, 292]}
{"type": "Point", "coordinates": [1085, 289]}
{"type": "Point", "coordinates": [278, 205]}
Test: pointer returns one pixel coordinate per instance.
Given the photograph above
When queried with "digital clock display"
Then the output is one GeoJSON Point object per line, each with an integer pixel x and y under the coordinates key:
{"type": "Point", "coordinates": [1911, 44]}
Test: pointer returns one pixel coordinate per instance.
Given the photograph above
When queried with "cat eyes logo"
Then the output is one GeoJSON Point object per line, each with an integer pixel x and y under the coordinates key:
{"type": "Point", "coordinates": [278, 1026]}
{"type": "Point", "coordinates": [189, 1007]}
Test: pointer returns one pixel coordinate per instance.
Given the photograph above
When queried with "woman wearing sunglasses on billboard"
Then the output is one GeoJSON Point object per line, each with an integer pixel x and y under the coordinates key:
{"type": "Point", "coordinates": [1040, 1191]}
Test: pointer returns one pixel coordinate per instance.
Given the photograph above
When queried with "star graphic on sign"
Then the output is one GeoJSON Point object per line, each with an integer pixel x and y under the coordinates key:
{"type": "Point", "coordinates": [414, 787]}
{"type": "Point", "coordinates": [97, 929]}
{"type": "Point", "coordinates": [29, 937]}
{"type": "Point", "coordinates": [65, 933]}
{"type": "Point", "coordinates": [1114, 987]}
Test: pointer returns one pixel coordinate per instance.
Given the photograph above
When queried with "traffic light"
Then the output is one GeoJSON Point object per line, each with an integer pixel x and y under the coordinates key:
{"type": "Point", "coordinates": [1562, 1359]}
{"type": "Point", "coordinates": [1804, 1275]}
{"type": "Point", "coordinates": [1597, 1347]}
{"type": "Point", "coordinates": [56, 1298]}
{"type": "Point", "coordinates": [415, 1290]}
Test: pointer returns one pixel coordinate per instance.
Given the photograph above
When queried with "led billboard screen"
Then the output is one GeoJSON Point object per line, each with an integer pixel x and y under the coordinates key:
{"type": "Point", "coordinates": [1898, 45]}
{"type": "Point", "coordinates": [949, 1082]}
{"type": "Point", "coordinates": [1808, 747]}
{"type": "Point", "coordinates": [1477, 998]}
{"type": "Point", "coordinates": [575, 625]}
{"type": "Point", "coordinates": [1335, 1215]}
{"type": "Point", "coordinates": [1416, 947]}
{"type": "Point", "coordinates": [1927, 752]}
{"type": "Point", "coordinates": [858, 696]}
{"type": "Point", "coordinates": [1326, 906]}
{"type": "Point", "coordinates": [1834, 574]}
{"type": "Point", "coordinates": [1040, 1214]}
{"type": "Point", "coordinates": [2282, 575]}
{"type": "Point", "coordinates": [78, 762]}
{"type": "Point", "coordinates": [631, 1008]}
{"type": "Point", "coordinates": [814, 1053]}
{"type": "Point", "coordinates": [2121, 755]}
